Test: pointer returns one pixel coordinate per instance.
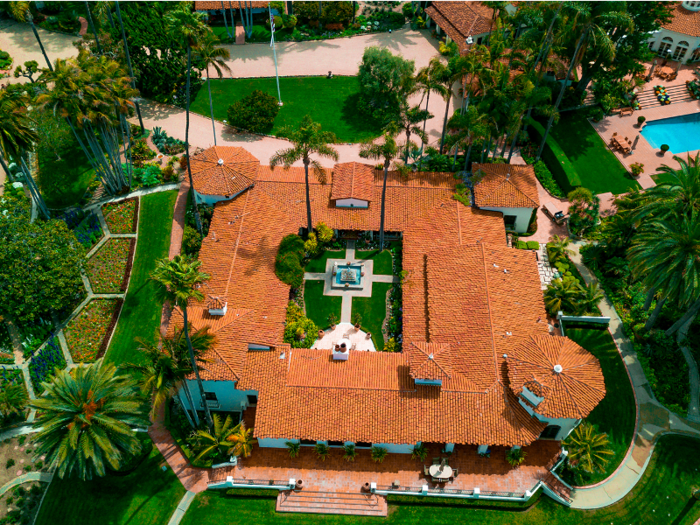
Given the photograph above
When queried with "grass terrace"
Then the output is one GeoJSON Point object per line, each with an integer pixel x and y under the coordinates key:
{"type": "Point", "coordinates": [373, 312]}
{"type": "Point", "coordinates": [662, 497]}
{"type": "Point", "coordinates": [140, 316]}
{"type": "Point", "coordinates": [383, 264]}
{"type": "Point", "coordinates": [319, 306]}
{"type": "Point", "coordinates": [597, 166]}
{"type": "Point", "coordinates": [318, 264]}
{"type": "Point", "coordinates": [333, 104]}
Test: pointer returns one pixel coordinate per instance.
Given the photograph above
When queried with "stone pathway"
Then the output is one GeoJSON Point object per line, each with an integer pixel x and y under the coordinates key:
{"type": "Point", "coordinates": [182, 507]}
{"type": "Point", "coordinates": [44, 477]}
{"type": "Point", "coordinates": [545, 269]}
{"type": "Point", "coordinates": [653, 419]}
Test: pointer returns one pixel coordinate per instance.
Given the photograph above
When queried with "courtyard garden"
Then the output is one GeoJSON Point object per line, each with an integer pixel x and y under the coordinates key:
{"type": "Point", "coordinates": [320, 307]}
{"type": "Point", "coordinates": [333, 104]}
{"type": "Point", "coordinates": [121, 217]}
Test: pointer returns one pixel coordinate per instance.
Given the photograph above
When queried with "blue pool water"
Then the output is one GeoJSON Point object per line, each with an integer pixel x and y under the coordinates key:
{"type": "Point", "coordinates": [680, 133]}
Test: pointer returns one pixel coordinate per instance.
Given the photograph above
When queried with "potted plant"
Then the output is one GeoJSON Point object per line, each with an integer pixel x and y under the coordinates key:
{"type": "Point", "coordinates": [515, 456]}
{"type": "Point", "coordinates": [419, 452]}
{"type": "Point", "coordinates": [640, 121]}
{"type": "Point", "coordinates": [299, 484]}
{"type": "Point", "coordinates": [378, 454]}
{"type": "Point", "coordinates": [321, 333]}
{"type": "Point", "coordinates": [637, 169]}
{"type": "Point", "coordinates": [322, 451]}
{"type": "Point", "coordinates": [332, 320]}
{"type": "Point", "coordinates": [664, 148]}
{"type": "Point", "coordinates": [349, 452]}
{"type": "Point", "coordinates": [357, 320]}
{"type": "Point", "coordinates": [293, 449]}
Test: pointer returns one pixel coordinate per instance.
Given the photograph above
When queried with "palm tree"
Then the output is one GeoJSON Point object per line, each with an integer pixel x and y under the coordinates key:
{"type": "Point", "coordinates": [13, 399]}
{"type": "Point", "coordinates": [385, 150]}
{"type": "Point", "coordinates": [242, 438]}
{"type": "Point", "coordinates": [407, 121]}
{"type": "Point", "coordinates": [17, 136]}
{"type": "Point", "coordinates": [558, 247]}
{"type": "Point", "coordinates": [187, 28]}
{"type": "Point", "coordinates": [562, 295]}
{"type": "Point", "coordinates": [467, 127]}
{"type": "Point", "coordinates": [428, 81]}
{"type": "Point", "coordinates": [224, 439]}
{"type": "Point", "coordinates": [223, 11]}
{"type": "Point", "coordinates": [212, 56]}
{"type": "Point", "coordinates": [307, 139]}
{"type": "Point", "coordinates": [591, 295]}
{"type": "Point", "coordinates": [128, 62]}
{"type": "Point", "coordinates": [589, 451]}
{"type": "Point", "coordinates": [179, 281]}
{"type": "Point", "coordinates": [86, 420]}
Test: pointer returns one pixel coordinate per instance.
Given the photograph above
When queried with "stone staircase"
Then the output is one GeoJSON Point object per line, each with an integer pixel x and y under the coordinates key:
{"type": "Point", "coordinates": [647, 99]}
{"type": "Point", "coordinates": [315, 502]}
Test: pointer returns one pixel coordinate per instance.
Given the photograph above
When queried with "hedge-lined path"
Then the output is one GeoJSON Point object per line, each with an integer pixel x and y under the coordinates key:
{"type": "Point", "coordinates": [653, 419]}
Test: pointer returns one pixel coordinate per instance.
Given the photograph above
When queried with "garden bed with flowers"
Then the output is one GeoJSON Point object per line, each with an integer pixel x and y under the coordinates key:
{"type": "Point", "coordinates": [88, 334]}
{"type": "Point", "coordinates": [109, 269]}
{"type": "Point", "coordinates": [89, 231]}
{"type": "Point", "coordinates": [122, 216]}
{"type": "Point", "coordinates": [45, 364]}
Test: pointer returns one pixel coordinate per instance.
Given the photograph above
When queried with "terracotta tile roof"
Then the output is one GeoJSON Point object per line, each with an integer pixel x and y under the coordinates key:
{"type": "Point", "coordinates": [506, 186]}
{"type": "Point", "coordinates": [210, 5]}
{"type": "Point", "coordinates": [568, 377]}
{"type": "Point", "coordinates": [461, 19]}
{"type": "Point", "coordinates": [684, 21]}
{"type": "Point", "coordinates": [223, 170]}
{"type": "Point", "coordinates": [431, 361]}
{"type": "Point", "coordinates": [353, 180]}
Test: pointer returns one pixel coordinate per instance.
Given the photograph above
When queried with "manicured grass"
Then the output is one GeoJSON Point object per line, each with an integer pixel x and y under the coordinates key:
{"type": "Point", "coordinates": [658, 178]}
{"type": "Point", "coordinates": [64, 182]}
{"type": "Point", "coordinates": [141, 312]}
{"type": "Point", "coordinates": [615, 415]}
{"type": "Point", "coordinates": [662, 497]}
{"type": "Point", "coordinates": [382, 260]}
{"type": "Point", "coordinates": [332, 103]}
{"type": "Point", "coordinates": [318, 264]}
{"type": "Point", "coordinates": [599, 169]}
{"type": "Point", "coordinates": [146, 496]}
{"type": "Point", "coordinates": [319, 306]}
{"type": "Point", "coordinates": [373, 312]}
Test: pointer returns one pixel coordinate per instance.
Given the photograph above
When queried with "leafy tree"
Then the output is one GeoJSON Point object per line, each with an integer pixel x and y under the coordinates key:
{"type": "Point", "coordinates": [255, 112]}
{"type": "Point", "coordinates": [208, 55]}
{"type": "Point", "coordinates": [383, 78]}
{"type": "Point", "coordinates": [307, 139]}
{"type": "Point", "coordinates": [31, 68]}
{"type": "Point", "coordinates": [85, 420]}
{"type": "Point", "coordinates": [289, 266]}
{"type": "Point", "coordinates": [40, 264]}
{"type": "Point", "coordinates": [386, 150]}
{"type": "Point", "coordinates": [337, 13]}
{"type": "Point", "coordinates": [589, 451]}
{"type": "Point", "coordinates": [13, 399]}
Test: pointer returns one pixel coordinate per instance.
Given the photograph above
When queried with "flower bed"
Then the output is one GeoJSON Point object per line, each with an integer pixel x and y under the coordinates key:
{"type": "Point", "coordinates": [89, 232]}
{"type": "Point", "coordinates": [662, 95]}
{"type": "Point", "coordinates": [109, 269]}
{"type": "Point", "coordinates": [88, 334]}
{"type": "Point", "coordinates": [46, 363]}
{"type": "Point", "coordinates": [121, 217]}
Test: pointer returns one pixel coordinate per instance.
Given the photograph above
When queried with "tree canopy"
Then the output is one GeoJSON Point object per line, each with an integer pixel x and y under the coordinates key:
{"type": "Point", "coordinates": [383, 78]}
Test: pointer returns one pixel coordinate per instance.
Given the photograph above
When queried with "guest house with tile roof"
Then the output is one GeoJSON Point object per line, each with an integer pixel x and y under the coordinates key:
{"type": "Point", "coordinates": [479, 366]}
{"type": "Point", "coordinates": [679, 39]}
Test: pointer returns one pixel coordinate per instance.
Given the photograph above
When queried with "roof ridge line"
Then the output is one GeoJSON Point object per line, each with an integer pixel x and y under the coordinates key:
{"type": "Point", "coordinates": [521, 192]}
{"type": "Point", "coordinates": [488, 305]}
{"type": "Point", "coordinates": [238, 243]}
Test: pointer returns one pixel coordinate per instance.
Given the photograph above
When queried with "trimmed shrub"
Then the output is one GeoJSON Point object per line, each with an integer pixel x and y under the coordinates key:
{"type": "Point", "coordinates": [288, 263]}
{"type": "Point", "coordinates": [336, 13]}
{"type": "Point", "coordinates": [521, 245]}
{"type": "Point", "coordinates": [191, 241]}
{"type": "Point", "coordinates": [556, 160]}
{"type": "Point", "coordinates": [533, 245]}
{"type": "Point", "coordinates": [255, 113]}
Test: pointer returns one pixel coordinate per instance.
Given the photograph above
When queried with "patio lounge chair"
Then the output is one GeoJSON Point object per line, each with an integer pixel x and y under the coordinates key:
{"type": "Point", "coordinates": [426, 470]}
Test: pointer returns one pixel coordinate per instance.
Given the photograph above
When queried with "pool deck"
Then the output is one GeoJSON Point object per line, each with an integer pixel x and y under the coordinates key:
{"type": "Point", "coordinates": [643, 152]}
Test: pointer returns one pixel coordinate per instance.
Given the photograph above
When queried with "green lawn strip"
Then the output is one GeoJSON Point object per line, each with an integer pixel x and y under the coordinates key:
{"type": "Point", "coordinates": [318, 264]}
{"type": "Point", "coordinates": [330, 102]}
{"type": "Point", "coordinates": [658, 178]}
{"type": "Point", "coordinates": [599, 169]}
{"type": "Point", "coordinates": [662, 497]}
{"type": "Point", "coordinates": [319, 306]}
{"type": "Point", "coordinates": [64, 181]}
{"type": "Point", "coordinates": [373, 312]}
{"type": "Point", "coordinates": [141, 312]}
{"type": "Point", "coordinates": [146, 496]}
{"type": "Point", "coordinates": [615, 414]}
{"type": "Point", "coordinates": [382, 261]}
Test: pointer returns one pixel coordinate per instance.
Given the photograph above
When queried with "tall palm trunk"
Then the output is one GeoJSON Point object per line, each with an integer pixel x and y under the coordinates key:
{"type": "Point", "coordinates": [223, 11]}
{"type": "Point", "coordinates": [408, 138]}
{"type": "Point", "coordinates": [109, 17]}
{"type": "Point", "coordinates": [654, 315]}
{"type": "Point", "coordinates": [128, 63]}
{"type": "Point", "coordinates": [444, 120]}
{"type": "Point", "coordinates": [512, 145]}
{"type": "Point", "coordinates": [309, 223]}
{"type": "Point", "coordinates": [34, 189]}
{"type": "Point", "coordinates": [689, 316]}
{"type": "Point", "coordinates": [207, 413]}
{"type": "Point", "coordinates": [92, 26]}
{"type": "Point", "coordinates": [197, 220]}
{"type": "Point", "coordinates": [36, 34]}
{"type": "Point", "coordinates": [188, 394]}
{"type": "Point", "coordinates": [583, 37]}
{"type": "Point", "coordinates": [211, 107]}
{"type": "Point", "coordinates": [381, 215]}
{"type": "Point", "coordinates": [425, 120]}
{"type": "Point", "coordinates": [468, 155]}
{"type": "Point", "coordinates": [487, 150]}
{"type": "Point", "coordinates": [650, 297]}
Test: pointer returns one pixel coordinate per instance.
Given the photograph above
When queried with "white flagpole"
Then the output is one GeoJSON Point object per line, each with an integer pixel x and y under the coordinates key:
{"type": "Point", "coordinates": [274, 53]}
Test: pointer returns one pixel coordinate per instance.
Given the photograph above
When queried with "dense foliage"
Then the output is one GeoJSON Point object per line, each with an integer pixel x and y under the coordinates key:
{"type": "Point", "coordinates": [382, 76]}
{"type": "Point", "coordinates": [299, 330]}
{"type": "Point", "coordinates": [289, 266]}
{"type": "Point", "coordinates": [255, 113]}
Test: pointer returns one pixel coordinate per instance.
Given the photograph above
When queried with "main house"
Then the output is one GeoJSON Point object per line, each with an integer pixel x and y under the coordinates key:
{"type": "Point", "coordinates": [679, 39]}
{"type": "Point", "coordinates": [479, 365]}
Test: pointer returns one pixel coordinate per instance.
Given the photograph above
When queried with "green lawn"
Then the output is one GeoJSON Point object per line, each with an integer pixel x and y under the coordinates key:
{"type": "Point", "coordinates": [662, 497]}
{"type": "Point", "coordinates": [64, 182]}
{"type": "Point", "coordinates": [146, 496]}
{"type": "Point", "coordinates": [318, 264]}
{"type": "Point", "coordinates": [599, 169]}
{"type": "Point", "coordinates": [319, 306]}
{"type": "Point", "coordinates": [373, 312]}
{"type": "Point", "coordinates": [140, 316]}
{"type": "Point", "coordinates": [615, 414]}
{"type": "Point", "coordinates": [382, 261]}
{"type": "Point", "coordinates": [662, 177]}
{"type": "Point", "coordinates": [332, 103]}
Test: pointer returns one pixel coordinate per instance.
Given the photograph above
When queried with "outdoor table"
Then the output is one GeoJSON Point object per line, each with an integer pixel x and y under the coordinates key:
{"type": "Point", "coordinates": [667, 71]}
{"type": "Point", "coordinates": [440, 472]}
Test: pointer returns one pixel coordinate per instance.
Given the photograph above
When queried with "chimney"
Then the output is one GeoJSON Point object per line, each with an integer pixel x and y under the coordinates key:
{"type": "Point", "coordinates": [216, 306]}
{"type": "Point", "coordinates": [341, 350]}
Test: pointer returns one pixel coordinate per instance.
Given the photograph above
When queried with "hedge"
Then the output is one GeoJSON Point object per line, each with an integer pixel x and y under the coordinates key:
{"type": "Point", "coordinates": [556, 160]}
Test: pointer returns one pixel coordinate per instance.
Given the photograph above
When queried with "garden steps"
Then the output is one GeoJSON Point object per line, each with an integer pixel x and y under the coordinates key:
{"type": "Point", "coordinates": [647, 99]}
{"type": "Point", "coordinates": [316, 502]}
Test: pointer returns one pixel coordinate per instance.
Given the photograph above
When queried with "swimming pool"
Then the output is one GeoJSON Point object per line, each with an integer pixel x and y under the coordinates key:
{"type": "Point", "coordinates": [680, 133]}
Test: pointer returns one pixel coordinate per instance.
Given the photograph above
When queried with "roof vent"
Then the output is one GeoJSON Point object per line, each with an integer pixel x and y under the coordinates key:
{"type": "Point", "coordinates": [220, 162]}
{"type": "Point", "coordinates": [431, 356]}
{"type": "Point", "coordinates": [508, 175]}
{"type": "Point", "coordinates": [558, 369]}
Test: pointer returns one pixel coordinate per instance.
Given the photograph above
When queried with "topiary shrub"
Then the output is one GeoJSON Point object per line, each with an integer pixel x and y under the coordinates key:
{"type": "Point", "coordinates": [521, 245]}
{"type": "Point", "coordinates": [533, 245]}
{"type": "Point", "coordinates": [191, 241]}
{"type": "Point", "coordinates": [255, 113]}
{"type": "Point", "coordinates": [288, 262]}
{"type": "Point", "coordinates": [336, 13]}
{"type": "Point", "coordinates": [299, 331]}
